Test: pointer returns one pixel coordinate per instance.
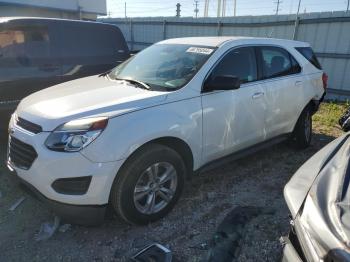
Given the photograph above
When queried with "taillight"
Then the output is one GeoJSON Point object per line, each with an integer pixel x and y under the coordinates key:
{"type": "Point", "coordinates": [325, 80]}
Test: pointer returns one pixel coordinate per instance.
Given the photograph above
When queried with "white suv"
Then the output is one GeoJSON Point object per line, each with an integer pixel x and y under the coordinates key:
{"type": "Point", "coordinates": [131, 136]}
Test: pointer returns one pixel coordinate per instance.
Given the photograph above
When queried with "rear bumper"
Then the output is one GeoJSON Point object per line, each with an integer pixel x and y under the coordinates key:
{"type": "Point", "coordinates": [87, 215]}
{"type": "Point", "coordinates": [316, 103]}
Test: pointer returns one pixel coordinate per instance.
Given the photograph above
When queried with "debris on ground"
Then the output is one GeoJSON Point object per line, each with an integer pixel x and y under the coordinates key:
{"type": "Point", "coordinates": [202, 246]}
{"type": "Point", "coordinates": [154, 252]}
{"type": "Point", "coordinates": [64, 228]}
{"type": "Point", "coordinates": [228, 237]}
{"type": "Point", "coordinates": [16, 204]}
{"type": "Point", "coordinates": [47, 230]}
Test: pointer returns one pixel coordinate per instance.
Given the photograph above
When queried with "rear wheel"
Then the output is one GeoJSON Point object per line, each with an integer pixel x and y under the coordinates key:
{"type": "Point", "coordinates": [149, 184]}
{"type": "Point", "coordinates": [303, 129]}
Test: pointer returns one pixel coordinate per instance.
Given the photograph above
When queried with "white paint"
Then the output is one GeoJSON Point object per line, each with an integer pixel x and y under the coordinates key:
{"type": "Point", "coordinates": [213, 124]}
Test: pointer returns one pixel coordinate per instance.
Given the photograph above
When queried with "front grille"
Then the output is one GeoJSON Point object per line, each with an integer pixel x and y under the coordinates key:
{"type": "Point", "coordinates": [21, 154]}
{"type": "Point", "coordinates": [31, 127]}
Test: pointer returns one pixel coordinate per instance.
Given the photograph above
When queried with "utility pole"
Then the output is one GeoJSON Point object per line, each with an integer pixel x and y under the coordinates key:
{"type": "Point", "coordinates": [219, 9]}
{"type": "Point", "coordinates": [125, 9]}
{"type": "Point", "coordinates": [347, 7]}
{"type": "Point", "coordinates": [206, 8]}
{"type": "Point", "coordinates": [178, 11]}
{"type": "Point", "coordinates": [196, 10]}
{"type": "Point", "coordinates": [223, 11]}
{"type": "Point", "coordinates": [80, 12]}
{"type": "Point", "coordinates": [234, 7]}
{"type": "Point", "coordinates": [296, 24]}
{"type": "Point", "coordinates": [278, 2]}
{"type": "Point", "coordinates": [206, 4]}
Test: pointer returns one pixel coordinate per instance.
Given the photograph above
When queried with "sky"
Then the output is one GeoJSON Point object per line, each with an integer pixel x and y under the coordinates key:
{"type": "Point", "coordinates": [144, 8]}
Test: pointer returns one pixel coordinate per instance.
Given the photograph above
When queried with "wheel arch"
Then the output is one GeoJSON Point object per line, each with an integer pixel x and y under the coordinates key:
{"type": "Point", "coordinates": [175, 143]}
{"type": "Point", "coordinates": [312, 105]}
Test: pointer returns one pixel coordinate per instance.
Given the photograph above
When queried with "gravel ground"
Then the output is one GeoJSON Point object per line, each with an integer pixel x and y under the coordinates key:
{"type": "Point", "coordinates": [256, 180]}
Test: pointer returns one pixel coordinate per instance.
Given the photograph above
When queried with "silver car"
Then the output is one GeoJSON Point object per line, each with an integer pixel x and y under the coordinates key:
{"type": "Point", "coordinates": [318, 197]}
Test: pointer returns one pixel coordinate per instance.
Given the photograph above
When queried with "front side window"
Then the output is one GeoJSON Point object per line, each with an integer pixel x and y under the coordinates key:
{"type": "Point", "coordinates": [164, 66]}
{"type": "Point", "coordinates": [240, 63]}
{"type": "Point", "coordinates": [277, 62]}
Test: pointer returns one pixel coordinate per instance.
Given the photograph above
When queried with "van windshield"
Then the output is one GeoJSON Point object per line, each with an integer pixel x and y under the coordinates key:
{"type": "Point", "coordinates": [166, 66]}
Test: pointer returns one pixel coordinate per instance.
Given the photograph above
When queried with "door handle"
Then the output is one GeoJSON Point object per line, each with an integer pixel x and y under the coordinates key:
{"type": "Point", "coordinates": [257, 95]}
{"type": "Point", "coordinates": [298, 83]}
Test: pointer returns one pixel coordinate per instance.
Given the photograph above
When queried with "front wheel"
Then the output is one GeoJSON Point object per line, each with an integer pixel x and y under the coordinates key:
{"type": "Point", "coordinates": [303, 129]}
{"type": "Point", "coordinates": [149, 184]}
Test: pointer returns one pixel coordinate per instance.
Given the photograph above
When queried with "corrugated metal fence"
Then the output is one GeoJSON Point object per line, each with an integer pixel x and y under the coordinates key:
{"type": "Point", "coordinates": [328, 33]}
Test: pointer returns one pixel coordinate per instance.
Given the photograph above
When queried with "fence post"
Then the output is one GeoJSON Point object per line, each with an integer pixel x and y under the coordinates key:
{"type": "Point", "coordinates": [219, 28]}
{"type": "Point", "coordinates": [131, 31]}
{"type": "Point", "coordinates": [164, 29]}
{"type": "Point", "coordinates": [296, 27]}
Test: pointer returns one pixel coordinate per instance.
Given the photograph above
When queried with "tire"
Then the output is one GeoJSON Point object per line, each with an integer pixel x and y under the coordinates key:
{"type": "Point", "coordinates": [303, 129]}
{"type": "Point", "coordinates": [146, 170]}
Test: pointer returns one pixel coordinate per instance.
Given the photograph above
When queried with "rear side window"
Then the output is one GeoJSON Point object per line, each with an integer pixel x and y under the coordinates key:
{"type": "Point", "coordinates": [309, 55]}
{"type": "Point", "coordinates": [277, 62]}
{"type": "Point", "coordinates": [92, 40]}
{"type": "Point", "coordinates": [239, 62]}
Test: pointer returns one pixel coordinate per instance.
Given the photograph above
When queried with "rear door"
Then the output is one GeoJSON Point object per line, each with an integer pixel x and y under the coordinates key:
{"type": "Point", "coordinates": [283, 88]}
{"type": "Point", "coordinates": [234, 119]}
{"type": "Point", "coordinates": [28, 61]}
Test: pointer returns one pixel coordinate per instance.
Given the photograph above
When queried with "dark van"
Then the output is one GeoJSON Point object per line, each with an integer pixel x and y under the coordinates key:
{"type": "Point", "coordinates": [36, 53]}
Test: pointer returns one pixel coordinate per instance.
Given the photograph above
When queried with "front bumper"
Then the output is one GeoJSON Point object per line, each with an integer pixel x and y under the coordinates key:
{"type": "Point", "coordinates": [86, 215]}
{"type": "Point", "coordinates": [50, 166]}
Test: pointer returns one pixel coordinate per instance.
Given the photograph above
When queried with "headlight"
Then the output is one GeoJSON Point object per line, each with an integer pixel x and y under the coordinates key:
{"type": "Point", "coordinates": [75, 135]}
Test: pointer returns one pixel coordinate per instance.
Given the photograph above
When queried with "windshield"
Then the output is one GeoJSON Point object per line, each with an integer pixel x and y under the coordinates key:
{"type": "Point", "coordinates": [168, 66]}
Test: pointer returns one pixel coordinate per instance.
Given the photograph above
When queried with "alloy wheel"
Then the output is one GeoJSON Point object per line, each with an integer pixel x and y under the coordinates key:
{"type": "Point", "coordinates": [155, 188]}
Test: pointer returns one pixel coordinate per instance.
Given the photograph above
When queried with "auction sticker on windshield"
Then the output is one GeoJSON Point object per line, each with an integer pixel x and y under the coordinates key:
{"type": "Point", "coordinates": [200, 50]}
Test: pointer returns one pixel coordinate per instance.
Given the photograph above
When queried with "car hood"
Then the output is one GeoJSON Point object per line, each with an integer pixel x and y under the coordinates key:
{"type": "Point", "coordinates": [320, 194]}
{"type": "Point", "coordinates": [85, 97]}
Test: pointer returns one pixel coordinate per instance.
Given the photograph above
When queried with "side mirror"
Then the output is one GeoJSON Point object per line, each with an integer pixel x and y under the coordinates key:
{"type": "Point", "coordinates": [222, 82]}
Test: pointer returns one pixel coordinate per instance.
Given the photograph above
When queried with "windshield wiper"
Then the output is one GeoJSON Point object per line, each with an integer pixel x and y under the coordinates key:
{"type": "Point", "coordinates": [105, 73]}
{"type": "Point", "coordinates": [133, 81]}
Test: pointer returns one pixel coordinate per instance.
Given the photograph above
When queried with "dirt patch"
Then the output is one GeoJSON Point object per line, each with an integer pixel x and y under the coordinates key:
{"type": "Point", "coordinates": [256, 180]}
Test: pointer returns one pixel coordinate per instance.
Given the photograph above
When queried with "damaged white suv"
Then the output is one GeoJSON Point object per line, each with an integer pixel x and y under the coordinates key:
{"type": "Point", "coordinates": [131, 137]}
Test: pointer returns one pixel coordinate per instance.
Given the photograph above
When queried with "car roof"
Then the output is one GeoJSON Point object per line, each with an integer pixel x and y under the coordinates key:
{"type": "Point", "coordinates": [217, 41]}
{"type": "Point", "coordinates": [24, 18]}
